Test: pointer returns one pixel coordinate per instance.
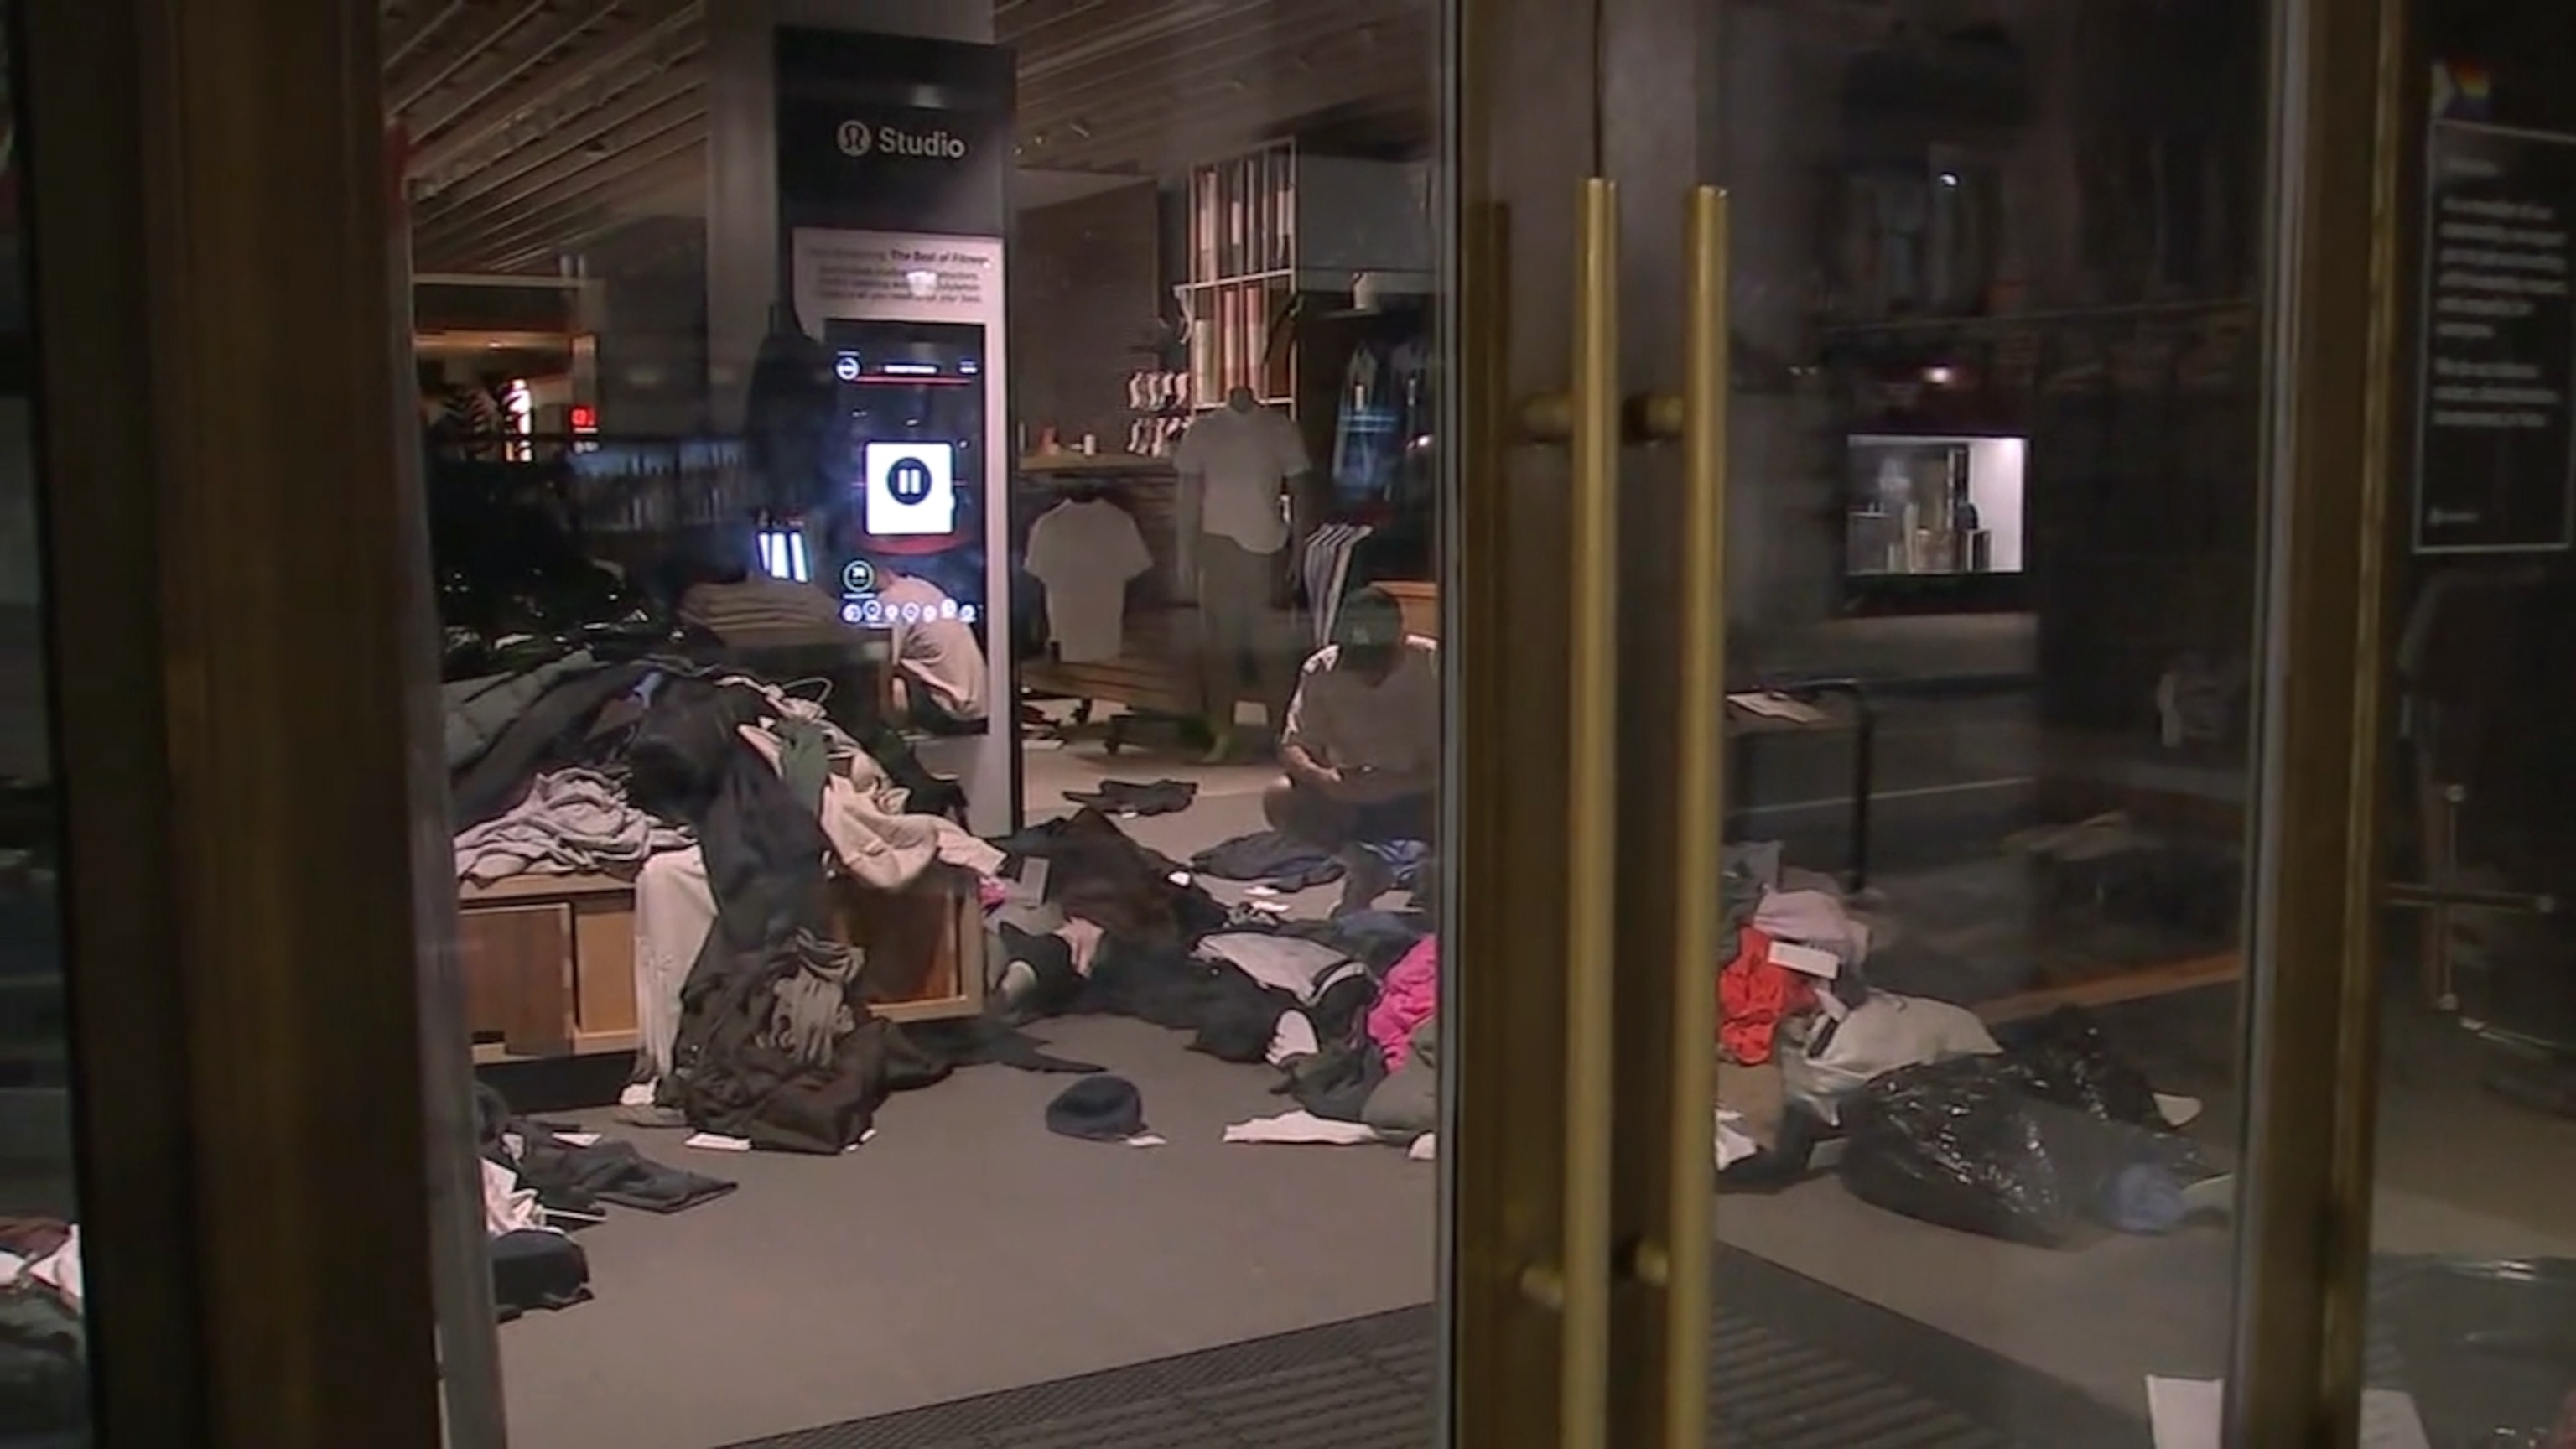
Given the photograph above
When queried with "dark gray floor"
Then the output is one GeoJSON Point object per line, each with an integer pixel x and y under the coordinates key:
{"type": "Point", "coordinates": [1793, 1365]}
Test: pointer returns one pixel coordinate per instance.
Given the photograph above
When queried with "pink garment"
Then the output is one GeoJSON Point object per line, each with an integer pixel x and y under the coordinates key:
{"type": "Point", "coordinates": [1409, 997]}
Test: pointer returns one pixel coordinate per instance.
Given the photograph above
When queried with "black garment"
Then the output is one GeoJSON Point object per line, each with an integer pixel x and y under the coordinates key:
{"type": "Point", "coordinates": [1097, 873]}
{"type": "Point", "coordinates": [1272, 857]}
{"type": "Point", "coordinates": [1234, 1017]}
{"type": "Point", "coordinates": [1377, 938]}
{"type": "Point", "coordinates": [580, 1179]}
{"type": "Point", "coordinates": [532, 1270]}
{"type": "Point", "coordinates": [1098, 1109]}
{"type": "Point", "coordinates": [1130, 797]}
{"type": "Point", "coordinates": [974, 1041]}
{"type": "Point", "coordinates": [731, 1077]}
{"type": "Point", "coordinates": [1338, 1012]}
{"type": "Point", "coordinates": [1336, 1083]}
{"type": "Point", "coordinates": [550, 735]}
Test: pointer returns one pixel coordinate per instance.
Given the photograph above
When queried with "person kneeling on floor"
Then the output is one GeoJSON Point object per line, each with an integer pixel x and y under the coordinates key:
{"type": "Point", "coordinates": [1361, 749]}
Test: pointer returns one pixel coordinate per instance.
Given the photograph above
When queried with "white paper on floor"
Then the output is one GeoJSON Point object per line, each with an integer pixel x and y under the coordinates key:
{"type": "Point", "coordinates": [2186, 1414]}
{"type": "Point", "coordinates": [1146, 1139]}
{"type": "Point", "coordinates": [1425, 1148]}
{"type": "Point", "coordinates": [1302, 1127]}
{"type": "Point", "coordinates": [716, 1142]}
{"type": "Point", "coordinates": [2178, 1111]}
{"type": "Point", "coordinates": [578, 1139]}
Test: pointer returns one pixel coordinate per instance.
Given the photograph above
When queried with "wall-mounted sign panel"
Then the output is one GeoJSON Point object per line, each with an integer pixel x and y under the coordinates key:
{"type": "Point", "coordinates": [2495, 467]}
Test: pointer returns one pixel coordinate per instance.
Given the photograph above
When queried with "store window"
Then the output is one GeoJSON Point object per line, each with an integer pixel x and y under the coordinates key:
{"type": "Point", "coordinates": [935, 512]}
{"type": "Point", "coordinates": [2474, 1261]}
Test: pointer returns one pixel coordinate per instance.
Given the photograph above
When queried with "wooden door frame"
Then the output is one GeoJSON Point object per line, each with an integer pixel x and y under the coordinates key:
{"type": "Point", "coordinates": [232, 610]}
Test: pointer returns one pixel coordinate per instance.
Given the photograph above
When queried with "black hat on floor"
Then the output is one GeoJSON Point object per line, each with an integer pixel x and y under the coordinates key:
{"type": "Point", "coordinates": [1098, 1109]}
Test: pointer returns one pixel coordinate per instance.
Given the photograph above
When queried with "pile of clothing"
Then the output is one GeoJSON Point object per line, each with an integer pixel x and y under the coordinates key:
{"type": "Point", "coordinates": [734, 804]}
{"type": "Point", "coordinates": [542, 1179]}
{"type": "Point", "coordinates": [2036, 1139]}
{"type": "Point", "coordinates": [1088, 921]}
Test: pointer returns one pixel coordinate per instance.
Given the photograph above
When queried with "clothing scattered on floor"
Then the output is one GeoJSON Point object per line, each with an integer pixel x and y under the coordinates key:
{"type": "Point", "coordinates": [1098, 873]}
{"type": "Point", "coordinates": [1086, 552]}
{"type": "Point", "coordinates": [1271, 857]}
{"type": "Point", "coordinates": [1302, 968]}
{"type": "Point", "coordinates": [571, 1176]}
{"type": "Point", "coordinates": [1813, 918]}
{"type": "Point", "coordinates": [1099, 1108]}
{"type": "Point", "coordinates": [1131, 797]}
{"type": "Point", "coordinates": [572, 822]}
{"type": "Point", "coordinates": [1755, 995]}
{"type": "Point", "coordinates": [1823, 1061]}
{"type": "Point", "coordinates": [1302, 1128]}
{"type": "Point", "coordinates": [535, 1270]}
{"type": "Point", "coordinates": [1409, 997]}
{"type": "Point", "coordinates": [1407, 1103]}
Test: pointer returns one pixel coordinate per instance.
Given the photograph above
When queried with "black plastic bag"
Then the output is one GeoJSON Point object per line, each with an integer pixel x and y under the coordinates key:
{"type": "Point", "coordinates": [1967, 1144]}
{"type": "Point", "coordinates": [2064, 1060]}
{"type": "Point", "coordinates": [1951, 1143]}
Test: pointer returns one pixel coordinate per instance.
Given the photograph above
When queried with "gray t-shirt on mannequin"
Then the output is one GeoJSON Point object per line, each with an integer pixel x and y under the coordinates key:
{"type": "Point", "coordinates": [1239, 457]}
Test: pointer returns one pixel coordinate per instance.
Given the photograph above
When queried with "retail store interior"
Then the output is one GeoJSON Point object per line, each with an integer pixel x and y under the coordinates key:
{"type": "Point", "coordinates": [798, 510]}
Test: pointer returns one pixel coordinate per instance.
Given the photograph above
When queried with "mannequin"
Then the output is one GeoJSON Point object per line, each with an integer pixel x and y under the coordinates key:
{"type": "Point", "coordinates": [1238, 466]}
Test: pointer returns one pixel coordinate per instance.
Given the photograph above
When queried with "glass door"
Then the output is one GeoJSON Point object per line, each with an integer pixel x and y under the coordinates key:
{"type": "Point", "coordinates": [1947, 447]}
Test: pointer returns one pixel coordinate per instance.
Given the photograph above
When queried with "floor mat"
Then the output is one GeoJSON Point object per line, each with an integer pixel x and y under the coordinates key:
{"type": "Point", "coordinates": [1796, 1365]}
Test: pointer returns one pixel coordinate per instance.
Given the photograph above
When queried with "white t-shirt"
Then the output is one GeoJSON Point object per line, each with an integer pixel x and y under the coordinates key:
{"type": "Point", "coordinates": [1238, 461]}
{"type": "Point", "coordinates": [1085, 553]}
{"type": "Point", "coordinates": [937, 652]}
{"type": "Point", "coordinates": [1391, 727]}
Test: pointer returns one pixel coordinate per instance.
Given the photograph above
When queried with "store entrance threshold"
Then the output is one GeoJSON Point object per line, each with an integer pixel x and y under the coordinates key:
{"type": "Point", "coordinates": [1795, 1365]}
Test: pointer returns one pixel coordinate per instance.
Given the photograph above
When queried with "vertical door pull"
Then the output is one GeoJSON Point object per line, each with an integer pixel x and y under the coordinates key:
{"type": "Point", "coordinates": [1580, 1284]}
{"type": "Point", "coordinates": [1699, 837]}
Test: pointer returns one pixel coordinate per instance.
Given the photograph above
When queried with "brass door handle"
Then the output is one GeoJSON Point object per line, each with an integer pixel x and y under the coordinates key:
{"type": "Point", "coordinates": [1683, 1257]}
{"type": "Point", "coordinates": [1577, 1286]}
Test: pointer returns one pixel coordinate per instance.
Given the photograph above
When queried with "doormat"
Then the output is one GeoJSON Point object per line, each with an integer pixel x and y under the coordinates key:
{"type": "Point", "coordinates": [1794, 1365]}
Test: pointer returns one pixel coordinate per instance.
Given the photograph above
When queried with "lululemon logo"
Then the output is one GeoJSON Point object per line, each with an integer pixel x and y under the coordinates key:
{"type": "Point", "coordinates": [860, 138]}
{"type": "Point", "coordinates": [910, 482]}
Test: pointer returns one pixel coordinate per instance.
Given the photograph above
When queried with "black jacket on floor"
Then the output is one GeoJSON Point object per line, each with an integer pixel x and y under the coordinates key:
{"type": "Point", "coordinates": [1099, 873]}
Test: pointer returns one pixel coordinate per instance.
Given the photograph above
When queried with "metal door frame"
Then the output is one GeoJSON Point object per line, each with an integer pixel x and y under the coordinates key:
{"type": "Point", "coordinates": [1537, 111]}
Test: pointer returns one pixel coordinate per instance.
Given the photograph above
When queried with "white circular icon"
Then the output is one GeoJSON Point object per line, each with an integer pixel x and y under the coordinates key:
{"type": "Point", "coordinates": [859, 576]}
{"type": "Point", "coordinates": [876, 611]}
{"type": "Point", "coordinates": [966, 614]}
{"type": "Point", "coordinates": [857, 138]}
{"type": "Point", "coordinates": [846, 367]}
{"type": "Point", "coordinates": [853, 614]}
{"type": "Point", "coordinates": [912, 613]}
{"type": "Point", "coordinates": [948, 608]}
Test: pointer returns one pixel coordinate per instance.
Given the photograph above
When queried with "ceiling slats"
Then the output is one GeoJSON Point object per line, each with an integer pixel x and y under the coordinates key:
{"type": "Point", "coordinates": [537, 125]}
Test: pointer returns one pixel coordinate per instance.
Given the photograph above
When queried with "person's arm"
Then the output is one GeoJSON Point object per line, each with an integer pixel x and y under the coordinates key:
{"type": "Point", "coordinates": [1299, 754]}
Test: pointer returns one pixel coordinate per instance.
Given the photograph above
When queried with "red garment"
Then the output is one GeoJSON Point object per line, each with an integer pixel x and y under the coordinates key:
{"type": "Point", "coordinates": [1754, 996]}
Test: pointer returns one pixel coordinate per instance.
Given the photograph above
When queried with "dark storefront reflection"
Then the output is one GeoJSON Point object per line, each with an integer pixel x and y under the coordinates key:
{"type": "Point", "coordinates": [44, 1385]}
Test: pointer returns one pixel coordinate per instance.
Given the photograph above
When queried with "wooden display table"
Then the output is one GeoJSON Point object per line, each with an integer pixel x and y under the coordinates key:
{"type": "Point", "coordinates": [549, 960]}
